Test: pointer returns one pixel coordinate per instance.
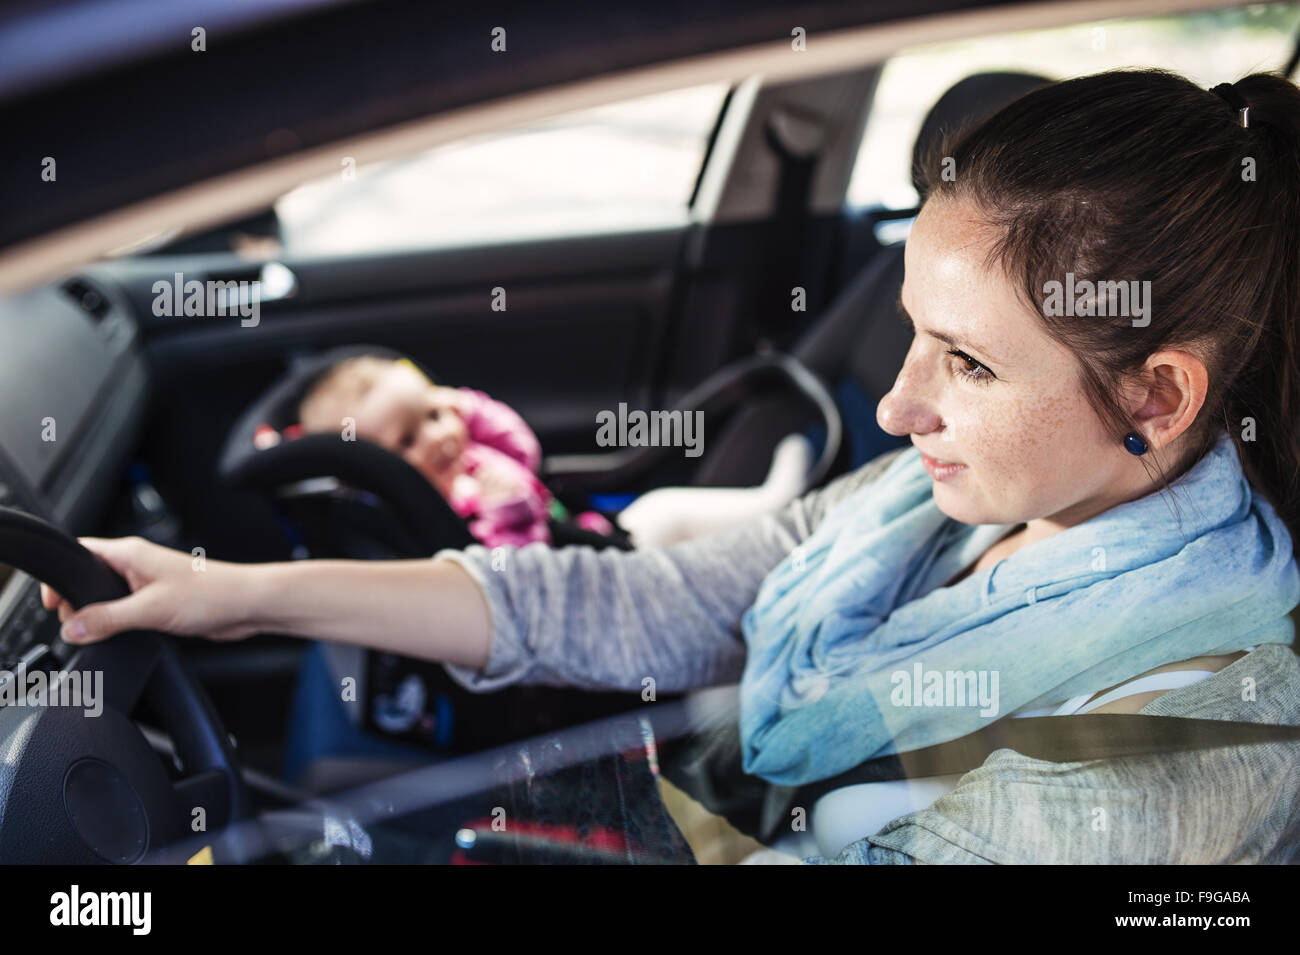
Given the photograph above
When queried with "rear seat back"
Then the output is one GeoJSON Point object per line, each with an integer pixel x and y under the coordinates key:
{"type": "Point", "coordinates": [859, 345]}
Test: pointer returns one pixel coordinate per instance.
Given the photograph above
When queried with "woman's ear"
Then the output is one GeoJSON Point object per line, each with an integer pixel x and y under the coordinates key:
{"type": "Point", "coordinates": [1172, 393]}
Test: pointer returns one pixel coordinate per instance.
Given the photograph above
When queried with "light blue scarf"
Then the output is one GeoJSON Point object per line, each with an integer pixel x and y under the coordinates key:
{"type": "Point", "coordinates": [857, 649]}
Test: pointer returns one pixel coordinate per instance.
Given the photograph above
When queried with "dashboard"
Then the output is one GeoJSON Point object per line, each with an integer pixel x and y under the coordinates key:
{"type": "Point", "coordinates": [73, 394]}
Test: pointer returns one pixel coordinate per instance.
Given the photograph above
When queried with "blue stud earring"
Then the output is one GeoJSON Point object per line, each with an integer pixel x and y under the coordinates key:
{"type": "Point", "coordinates": [1133, 441]}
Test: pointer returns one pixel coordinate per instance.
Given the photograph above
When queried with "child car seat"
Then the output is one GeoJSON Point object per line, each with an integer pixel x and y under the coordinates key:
{"type": "Point", "coordinates": [341, 498]}
{"type": "Point", "coordinates": [355, 499]}
{"type": "Point", "coordinates": [325, 483]}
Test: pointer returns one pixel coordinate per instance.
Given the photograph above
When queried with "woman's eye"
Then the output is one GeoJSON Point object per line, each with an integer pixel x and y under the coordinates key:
{"type": "Point", "coordinates": [433, 414]}
{"type": "Point", "coordinates": [969, 368]}
{"type": "Point", "coordinates": [408, 440]}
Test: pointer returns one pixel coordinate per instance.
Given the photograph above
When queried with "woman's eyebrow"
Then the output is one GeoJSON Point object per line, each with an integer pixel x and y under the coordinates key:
{"type": "Point", "coordinates": [977, 351]}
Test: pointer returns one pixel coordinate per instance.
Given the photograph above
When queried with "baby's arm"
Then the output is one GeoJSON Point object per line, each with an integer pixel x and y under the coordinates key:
{"type": "Point", "coordinates": [499, 426]}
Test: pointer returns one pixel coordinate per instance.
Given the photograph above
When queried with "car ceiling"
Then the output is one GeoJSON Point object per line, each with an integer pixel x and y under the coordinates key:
{"type": "Point", "coordinates": [155, 117]}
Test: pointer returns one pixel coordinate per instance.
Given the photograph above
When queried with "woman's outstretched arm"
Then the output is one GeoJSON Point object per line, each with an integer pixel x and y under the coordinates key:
{"type": "Point", "coordinates": [573, 616]}
{"type": "Point", "coordinates": [419, 608]}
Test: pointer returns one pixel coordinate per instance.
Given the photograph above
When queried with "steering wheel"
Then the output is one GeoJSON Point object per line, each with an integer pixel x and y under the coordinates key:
{"type": "Point", "coordinates": [80, 787]}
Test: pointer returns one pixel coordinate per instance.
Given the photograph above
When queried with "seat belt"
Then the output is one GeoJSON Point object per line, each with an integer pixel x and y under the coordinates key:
{"type": "Point", "coordinates": [710, 768]}
{"type": "Point", "coordinates": [1057, 739]}
{"type": "Point", "coordinates": [796, 138]}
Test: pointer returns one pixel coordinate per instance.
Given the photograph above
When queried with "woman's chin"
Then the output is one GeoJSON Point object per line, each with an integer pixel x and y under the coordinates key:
{"type": "Point", "coordinates": [956, 504]}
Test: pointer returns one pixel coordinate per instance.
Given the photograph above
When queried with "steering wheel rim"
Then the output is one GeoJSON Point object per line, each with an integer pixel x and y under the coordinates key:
{"type": "Point", "coordinates": [84, 787]}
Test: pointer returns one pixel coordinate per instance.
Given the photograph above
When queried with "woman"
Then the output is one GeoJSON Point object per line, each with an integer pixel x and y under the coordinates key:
{"type": "Point", "coordinates": [1103, 484]}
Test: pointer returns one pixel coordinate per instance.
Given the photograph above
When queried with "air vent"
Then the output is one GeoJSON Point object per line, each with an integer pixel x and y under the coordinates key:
{"type": "Point", "coordinates": [88, 298]}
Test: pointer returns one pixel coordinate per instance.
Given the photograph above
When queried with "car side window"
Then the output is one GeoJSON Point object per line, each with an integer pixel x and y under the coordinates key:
{"type": "Point", "coordinates": [1208, 47]}
{"type": "Point", "coordinates": [628, 165]}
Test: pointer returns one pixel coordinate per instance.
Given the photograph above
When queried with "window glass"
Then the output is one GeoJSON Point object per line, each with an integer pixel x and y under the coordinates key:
{"type": "Point", "coordinates": [1207, 47]}
{"type": "Point", "coordinates": [624, 166]}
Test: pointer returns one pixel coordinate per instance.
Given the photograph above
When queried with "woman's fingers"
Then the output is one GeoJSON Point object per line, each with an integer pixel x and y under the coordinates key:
{"type": "Point", "coordinates": [168, 593]}
{"type": "Point", "coordinates": [123, 554]}
{"type": "Point", "coordinates": [116, 553]}
{"type": "Point", "coordinates": [95, 622]}
{"type": "Point", "coordinates": [49, 599]}
{"type": "Point", "coordinates": [52, 601]}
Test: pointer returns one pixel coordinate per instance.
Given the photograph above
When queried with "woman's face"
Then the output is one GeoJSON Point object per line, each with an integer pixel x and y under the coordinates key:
{"type": "Point", "coordinates": [1012, 412]}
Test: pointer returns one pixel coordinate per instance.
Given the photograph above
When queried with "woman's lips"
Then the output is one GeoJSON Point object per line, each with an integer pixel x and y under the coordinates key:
{"type": "Point", "coordinates": [940, 470]}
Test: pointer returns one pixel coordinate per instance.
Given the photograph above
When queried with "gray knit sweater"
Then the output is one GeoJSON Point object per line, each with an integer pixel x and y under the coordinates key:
{"type": "Point", "coordinates": [611, 619]}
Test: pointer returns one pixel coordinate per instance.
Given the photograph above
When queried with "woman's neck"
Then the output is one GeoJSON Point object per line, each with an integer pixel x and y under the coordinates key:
{"type": "Point", "coordinates": [1007, 545]}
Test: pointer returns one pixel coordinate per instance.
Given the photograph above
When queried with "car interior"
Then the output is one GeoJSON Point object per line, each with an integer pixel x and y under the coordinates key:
{"type": "Point", "coordinates": [122, 421]}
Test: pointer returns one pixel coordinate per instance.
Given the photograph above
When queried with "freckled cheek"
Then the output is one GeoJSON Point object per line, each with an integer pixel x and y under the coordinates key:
{"type": "Point", "coordinates": [1011, 443]}
{"type": "Point", "coordinates": [1046, 444]}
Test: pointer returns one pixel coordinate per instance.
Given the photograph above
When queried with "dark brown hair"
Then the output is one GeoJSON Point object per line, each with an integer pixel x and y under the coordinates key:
{"type": "Point", "coordinates": [1140, 175]}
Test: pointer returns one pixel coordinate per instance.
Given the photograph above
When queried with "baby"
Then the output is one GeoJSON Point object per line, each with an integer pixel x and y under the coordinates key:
{"type": "Point", "coordinates": [477, 452]}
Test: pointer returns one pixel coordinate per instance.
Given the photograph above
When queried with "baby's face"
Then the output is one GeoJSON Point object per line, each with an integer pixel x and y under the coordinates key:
{"type": "Point", "coordinates": [421, 421]}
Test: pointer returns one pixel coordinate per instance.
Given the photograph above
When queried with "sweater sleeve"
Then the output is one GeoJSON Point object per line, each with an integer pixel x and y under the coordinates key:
{"type": "Point", "coordinates": [610, 619]}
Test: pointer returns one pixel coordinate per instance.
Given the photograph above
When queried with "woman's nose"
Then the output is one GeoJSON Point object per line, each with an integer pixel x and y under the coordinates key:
{"type": "Point", "coordinates": [907, 408]}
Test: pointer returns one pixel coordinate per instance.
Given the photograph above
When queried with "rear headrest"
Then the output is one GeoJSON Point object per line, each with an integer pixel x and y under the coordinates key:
{"type": "Point", "coordinates": [968, 101]}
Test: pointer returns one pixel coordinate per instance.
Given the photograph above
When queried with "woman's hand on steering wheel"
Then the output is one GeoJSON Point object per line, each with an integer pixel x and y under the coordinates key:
{"type": "Point", "coordinates": [171, 591]}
